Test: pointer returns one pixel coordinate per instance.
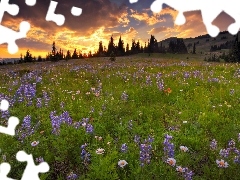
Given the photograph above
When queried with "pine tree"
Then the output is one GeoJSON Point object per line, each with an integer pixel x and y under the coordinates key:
{"type": "Point", "coordinates": [194, 49]}
{"type": "Point", "coordinates": [100, 49]}
{"type": "Point", "coordinates": [153, 45]}
{"type": "Point", "coordinates": [127, 49]}
{"type": "Point", "coordinates": [138, 48]}
{"type": "Point", "coordinates": [120, 47]}
{"type": "Point", "coordinates": [133, 48]}
{"type": "Point", "coordinates": [234, 55]}
{"type": "Point", "coordinates": [75, 55]}
{"type": "Point", "coordinates": [68, 56]}
{"type": "Point", "coordinates": [28, 57]}
{"type": "Point", "coordinates": [111, 46]}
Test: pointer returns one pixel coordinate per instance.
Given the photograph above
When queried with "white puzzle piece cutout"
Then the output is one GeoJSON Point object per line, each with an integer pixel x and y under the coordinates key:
{"type": "Point", "coordinates": [4, 170]}
{"type": "Point", "coordinates": [59, 19]}
{"type": "Point", "coordinates": [210, 11]}
{"type": "Point", "coordinates": [12, 121]}
{"type": "Point", "coordinates": [8, 35]}
{"type": "Point", "coordinates": [31, 171]}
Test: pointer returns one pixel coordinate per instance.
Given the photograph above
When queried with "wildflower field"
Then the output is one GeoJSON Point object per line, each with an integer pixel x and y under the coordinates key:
{"type": "Point", "coordinates": [135, 118]}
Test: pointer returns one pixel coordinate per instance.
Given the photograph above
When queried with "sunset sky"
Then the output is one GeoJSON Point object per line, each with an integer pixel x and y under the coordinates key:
{"type": "Point", "coordinates": [99, 20]}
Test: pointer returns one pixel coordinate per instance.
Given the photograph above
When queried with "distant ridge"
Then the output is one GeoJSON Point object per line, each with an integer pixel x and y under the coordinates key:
{"type": "Point", "coordinates": [203, 42]}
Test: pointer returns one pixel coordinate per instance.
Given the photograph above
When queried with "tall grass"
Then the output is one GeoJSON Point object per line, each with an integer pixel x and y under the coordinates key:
{"type": "Point", "coordinates": [140, 110]}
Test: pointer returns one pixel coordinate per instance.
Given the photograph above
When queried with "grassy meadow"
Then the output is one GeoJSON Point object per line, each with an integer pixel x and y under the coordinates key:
{"type": "Point", "coordinates": [166, 117]}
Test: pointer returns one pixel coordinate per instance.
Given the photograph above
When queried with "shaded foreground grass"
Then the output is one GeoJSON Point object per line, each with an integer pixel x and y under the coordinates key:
{"type": "Point", "coordinates": [125, 107]}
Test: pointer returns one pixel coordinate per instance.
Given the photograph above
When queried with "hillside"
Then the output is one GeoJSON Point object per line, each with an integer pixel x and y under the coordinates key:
{"type": "Point", "coordinates": [204, 42]}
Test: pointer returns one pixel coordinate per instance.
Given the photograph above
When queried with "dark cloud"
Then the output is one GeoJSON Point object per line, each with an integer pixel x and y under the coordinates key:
{"type": "Point", "coordinates": [35, 45]}
{"type": "Point", "coordinates": [95, 13]}
{"type": "Point", "coordinates": [157, 30]}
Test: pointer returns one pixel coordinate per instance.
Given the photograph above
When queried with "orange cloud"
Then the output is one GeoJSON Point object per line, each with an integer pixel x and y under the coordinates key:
{"type": "Point", "coordinates": [144, 16]}
{"type": "Point", "coordinates": [158, 30]}
{"type": "Point", "coordinates": [123, 19]}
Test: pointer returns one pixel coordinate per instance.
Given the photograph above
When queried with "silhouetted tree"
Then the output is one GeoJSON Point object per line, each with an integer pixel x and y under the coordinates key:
{"type": "Point", "coordinates": [90, 54]}
{"type": "Point", "coordinates": [39, 59]}
{"type": "Point", "coordinates": [153, 45]}
{"type": "Point", "coordinates": [234, 54]}
{"type": "Point", "coordinates": [194, 49]}
{"type": "Point", "coordinates": [55, 55]}
{"type": "Point", "coordinates": [21, 58]}
{"type": "Point", "coordinates": [80, 56]}
{"type": "Point", "coordinates": [68, 56]}
{"type": "Point", "coordinates": [177, 46]}
{"type": "Point", "coordinates": [111, 47]}
{"type": "Point", "coordinates": [127, 49]}
{"type": "Point", "coordinates": [100, 49]}
{"type": "Point", "coordinates": [75, 54]}
{"type": "Point", "coordinates": [134, 47]}
{"type": "Point", "coordinates": [121, 50]}
{"type": "Point", "coordinates": [138, 48]}
{"type": "Point", "coordinates": [28, 57]}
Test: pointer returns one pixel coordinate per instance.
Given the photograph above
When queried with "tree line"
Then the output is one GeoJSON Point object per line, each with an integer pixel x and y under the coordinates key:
{"type": "Point", "coordinates": [233, 56]}
{"type": "Point", "coordinates": [112, 50]}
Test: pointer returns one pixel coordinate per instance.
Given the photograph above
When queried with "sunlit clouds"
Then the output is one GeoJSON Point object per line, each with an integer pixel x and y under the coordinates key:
{"type": "Point", "coordinates": [100, 19]}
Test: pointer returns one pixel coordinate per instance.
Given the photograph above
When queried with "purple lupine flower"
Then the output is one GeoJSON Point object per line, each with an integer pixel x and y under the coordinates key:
{"type": "Point", "coordinates": [168, 147]}
{"type": "Point", "coordinates": [89, 128]}
{"type": "Point", "coordinates": [213, 144]}
{"type": "Point", "coordinates": [39, 102]}
{"type": "Point", "coordinates": [66, 118]}
{"type": "Point", "coordinates": [124, 96]}
{"type": "Point", "coordinates": [72, 176]}
{"type": "Point", "coordinates": [39, 159]}
{"type": "Point", "coordinates": [160, 85]}
{"type": "Point", "coordinates": [148, 80]}
{"type": "Point", "coordinates": [158, 76]}
{"type": "Point", "coordinates": [236, 151]}
{"type": "Point", "coordinates": [238, 137]}
{"type": "Point", "coordinates": [85, 156]}
{"type": "Point", "coordinates": [231, 144]}
{"type": "Point", "coordinates": [186, 74]}
{"type": "Point", "coordinates": [236, 159]}
{"type": "Point", "coordinates": [27, 122]}
{"type": "Point", "coordinates": [38, 79]}
{"type": "Point", "coordinates": [5, 114]}
{"type": "Point", "coordinates": [188, 174]}
{"type": "Point", "coordinates": [56, 122]}
{"type": "Point", "coordinates": [46, 98]}
{"type": "Point", "coordinates": [150, 139]}
{"type": "Point", "coordinates": [136, 139]}
{"type": "Point", "coordinates": [224, 152]}
{"type": "Point", "coordinates": [145, 154]}
{"type": "Point", "coordinates": [124, 148]}
{"type": "Point", "coordinates": [214, 80]}
{"type": "Point", "coordinates": [77, 124]}
{"type": "Point", "coordinates": [26, 129]}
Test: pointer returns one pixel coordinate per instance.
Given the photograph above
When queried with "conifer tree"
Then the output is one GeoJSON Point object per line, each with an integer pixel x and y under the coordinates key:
{"type": "Point", "coordinates": [28, 57]}
{"type": "Point", "coordinates": [111, 46]}
{"type": "Point", "coordinates": [75, 55]}
{"type": "Point", "coordinates": [234, 55]}
{"type": "Point", "coordinates": [68, 56]}
{"type": "Point", "coordinates": [121, 47]}
{"type": "Point", "coordinates": [194, 49]}
{"type": "Point", "coordinates": [127, 49]}
{"type": "Point", "coordinates": [100, 49]}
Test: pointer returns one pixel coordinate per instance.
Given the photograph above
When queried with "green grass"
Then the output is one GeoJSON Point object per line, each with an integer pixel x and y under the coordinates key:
{"type": "Point", "coordinates": [208, 107]}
